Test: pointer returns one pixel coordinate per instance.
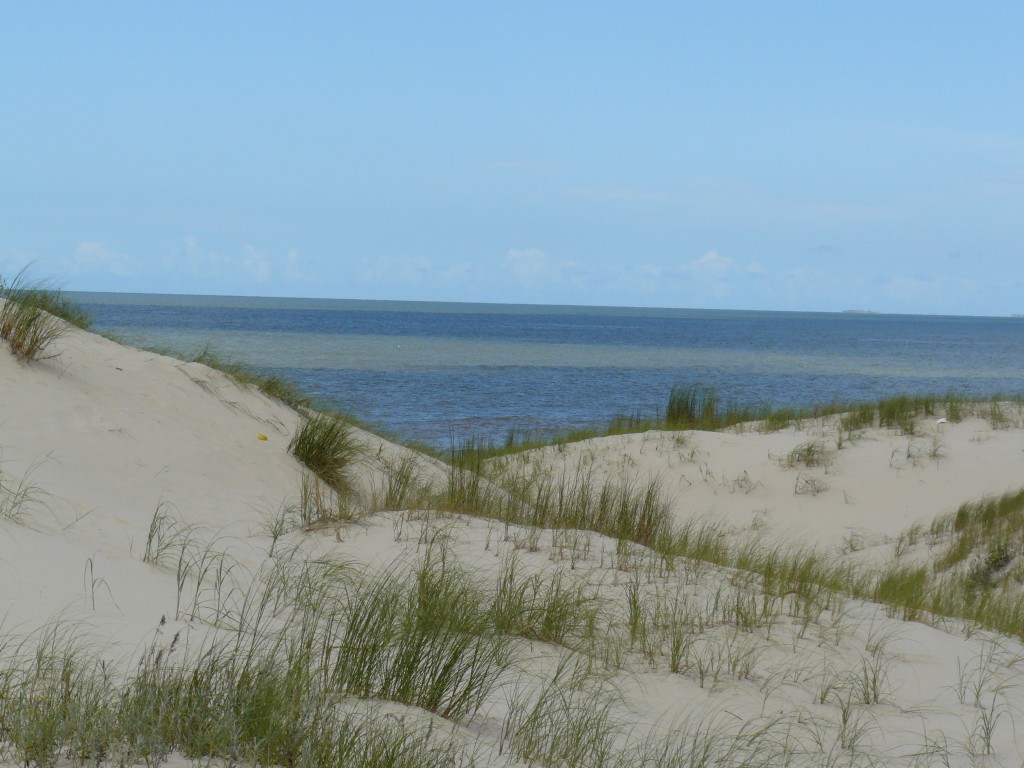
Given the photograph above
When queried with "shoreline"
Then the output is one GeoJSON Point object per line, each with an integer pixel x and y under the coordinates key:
{"type": "Point", "coordinates": [416, 374]}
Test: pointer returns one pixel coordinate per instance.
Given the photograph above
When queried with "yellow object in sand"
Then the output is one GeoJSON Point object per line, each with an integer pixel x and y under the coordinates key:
{"type": "Point", "coordinates": [262, 436]}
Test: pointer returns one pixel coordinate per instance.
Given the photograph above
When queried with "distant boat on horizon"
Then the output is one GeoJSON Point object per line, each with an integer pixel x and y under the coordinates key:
{"type": "Point", "coordinates": [859, 312]}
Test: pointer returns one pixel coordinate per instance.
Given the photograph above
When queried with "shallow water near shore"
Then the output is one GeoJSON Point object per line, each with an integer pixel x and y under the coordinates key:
{"type": "Point", "coordinates": [424, 370]}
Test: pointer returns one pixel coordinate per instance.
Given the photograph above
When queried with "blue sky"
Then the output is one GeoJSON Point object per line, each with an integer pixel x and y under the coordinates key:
{"type": "Point", "coordinates": [773, 155]}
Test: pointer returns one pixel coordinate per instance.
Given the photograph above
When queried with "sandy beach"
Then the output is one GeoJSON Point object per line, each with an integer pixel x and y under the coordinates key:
{"type": "Point", "coordinates": [147, 505]}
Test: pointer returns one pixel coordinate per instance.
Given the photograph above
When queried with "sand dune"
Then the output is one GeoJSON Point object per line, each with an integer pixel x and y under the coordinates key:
{"type": "Point", "coordinates": [871, 486]}
{"type": "Point", "coordinates": [112, 446]}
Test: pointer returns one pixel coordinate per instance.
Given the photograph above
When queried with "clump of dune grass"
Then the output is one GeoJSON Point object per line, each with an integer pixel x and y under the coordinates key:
{"type": "Point", "coordinates": [860, 417]}
{"type": "Point", "coordinates": [279, 685]}
{"type": "Point", "coordinates": [428, 642]}
{"type": "Point", "coordinates": [16, 498]}
{"type": "Point", "coordinates": [713, 739]}
{"type": "Point", "coordinates": [327, 446]}
{"type": "Point", "coordinates": [813, 453]}
{"type": "Point", "coordinates": [901, 412]}
{"type": "Point", "coordinates": [34, 316]}
{"type": "Point", "coordinates": [569, 722]}
{"type": "Point", "coordinates": [466, 488]}
{"type": "Point", "coordinates": [322, 506]}
{"type": "Point", "coordinates": [690, 407]}
{"type": "Point", "coordinates": [623, 508]}
{"type": "Point", "coordinates": [553, 609]}
{"type": "Point", "coordinates": [990, 530]}
{"type": "Point", "coordinates": [402, 486]}
{"type": "Point", "coordinates": [203, 573]}
{"type": "Point", "coordinates": [47, 298]}
{"type": "Point", "coordinates": [47, 693]}
{"type": "Point", "coordinates": [260, 703]}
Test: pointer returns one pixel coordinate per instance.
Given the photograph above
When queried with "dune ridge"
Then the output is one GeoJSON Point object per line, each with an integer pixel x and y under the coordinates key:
{"type": "Point", "coordinates": [152, 539]}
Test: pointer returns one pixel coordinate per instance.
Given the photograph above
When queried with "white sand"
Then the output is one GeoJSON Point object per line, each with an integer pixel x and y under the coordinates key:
{"type": "Point", "coordinates": [105, 435]}
{"type": "Point", "coordinates": [872, 488]}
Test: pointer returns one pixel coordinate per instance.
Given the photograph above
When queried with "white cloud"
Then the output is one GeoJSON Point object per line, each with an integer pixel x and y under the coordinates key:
{"type": "Point", "coordinates": [715, 279]}
{"type": "Point", "coordinates": [252, 264]}
{"type": "Point", "coordinates": [711, 279]}
{"type": "Point", "coordinates": [192, 258]}
{"type": "Point", "coordinates": [295, 269]}
{"type": "Point", "coordinates": [650, 270]}
{"type": "Point", "coordinates": [532, 266]}
{"type": "Point", "coordinates": [458, 271]}
{"type": "Point", "coordinates": [528, 264]}
{"type": "Point", "coordinates": [387, 269]}
{"type": "Point", "coordinates": [711, 265]}
{"type": "Point", "coordinates": [644, 280]}
{"type": "Point", "coordinates": [91, 256]}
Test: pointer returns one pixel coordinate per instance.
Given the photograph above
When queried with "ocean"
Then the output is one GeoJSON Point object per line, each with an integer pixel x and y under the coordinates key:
{"type": "Point", "coordinates": [429, 370]}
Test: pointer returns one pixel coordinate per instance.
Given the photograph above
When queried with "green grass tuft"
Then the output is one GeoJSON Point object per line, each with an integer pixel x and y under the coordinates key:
{"type": "Point", "coordinates": [34, 316]}
{"type": "Point", "coordinates": [328, 447]}
{"type": "Point", "coordinates": [698, 407]}
{"type": "Point", "coordinates": [810, 454]}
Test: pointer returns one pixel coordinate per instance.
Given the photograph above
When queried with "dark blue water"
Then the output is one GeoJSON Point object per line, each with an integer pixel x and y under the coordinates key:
{"type": "Point", "coordinates": [423, 370]}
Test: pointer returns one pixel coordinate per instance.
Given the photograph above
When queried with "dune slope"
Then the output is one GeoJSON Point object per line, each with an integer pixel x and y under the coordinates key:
{"type": "Point", "coordinates": [146, 521]}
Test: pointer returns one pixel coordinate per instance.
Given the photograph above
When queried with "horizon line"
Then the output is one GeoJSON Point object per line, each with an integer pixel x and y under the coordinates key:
{"type": "Point", "coordinates": [854, 312]}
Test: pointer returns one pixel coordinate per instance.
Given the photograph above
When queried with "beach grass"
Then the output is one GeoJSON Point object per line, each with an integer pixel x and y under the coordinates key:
{"type": "Point", "coordinates": [34, 315]}
{"type": "Point", "coordinates": [327, 446]}
{"type": "Point", "coordinates": [402, 485]}
{"type": "Point", "coordinates": [265, 708]}
{"type": "Point", "coordinates": [323, 662]}
{"type": "Point", "coordinates": [17, 498]}
{"type": "Point", "coordinates": [557, 609]}
{"type": "Point", "coordinates": [630, 511]}
{"type": "Point", "coordinates": [699, 407]}
{"type": "Point", "coordinates": [273, 386]}
{"type": "Point", "coordinates": [46, 297]}
{"type": "Point", "coordinates": [432, 638]}
{"type": "Point", "coordinates": [990, 534]}
{"type": "Point", "coordinates": [627, 509]}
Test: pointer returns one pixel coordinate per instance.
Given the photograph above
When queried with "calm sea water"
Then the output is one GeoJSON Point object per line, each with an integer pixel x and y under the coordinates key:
{"type": "Point", "coordinates": [424, 369]}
